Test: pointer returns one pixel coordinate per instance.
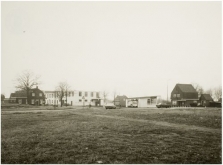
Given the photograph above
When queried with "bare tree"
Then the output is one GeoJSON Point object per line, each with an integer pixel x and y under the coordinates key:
{"type": "Point", "coordinates": [105, 95]}
{"type": "Point", "coordinates": [66, 92]}
{"type": "Point", "coordinates": [26, 81]}
{"type": "Point", "coordinates": [2, 98]}
{"type": "Point", "coordinates": [210, 92]}
{"type": "Point", "coordinates": [218, 92]}
{"type": "Point", "coordinates": [198, 88]}
{"type": "Point", "coordinates": [60, 92]}
{"type": "Point", "coordinates": [114, 94]}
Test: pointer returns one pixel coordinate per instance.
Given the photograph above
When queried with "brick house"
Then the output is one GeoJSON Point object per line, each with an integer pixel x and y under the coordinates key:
{"type": "Point", "coordinates": [120, 101]}
{"type": "Point", "coordinates": [18, 97]}
{"type": "Point", "coordinates": [205, 100]}
{"type": "Point", "coordinates": [184, 95]}
{"type": "Point", "coordinates": [36, 97]}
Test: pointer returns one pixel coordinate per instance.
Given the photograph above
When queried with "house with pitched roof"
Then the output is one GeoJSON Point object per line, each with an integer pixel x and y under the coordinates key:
{"type": "Point", "coordinates": [184, 95]}
{"type": "Point", "coordinates": [205, 100]}
{"type": "Point", "coordinates": [19, 97]}
{"type": "Point", "coordinates": [35, 97]}
{"type": "Point", "coordinates": [120, 101]}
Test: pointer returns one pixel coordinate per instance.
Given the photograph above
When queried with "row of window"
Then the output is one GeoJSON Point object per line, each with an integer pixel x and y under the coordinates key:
{"type": "Point", "coordinates": [69, 94]}
{"type": "Point", "coordinates": [85, 100]}
{"type": "Point", "coordinates": [52, 101]}
{"type": "Point", "coordinates": [86, 94]}
{"type": "Point", "coordinates": [151, 101]}
{"type": "Point", "coordinates": [40, 94]}
{"type": "Point", "coordinates": [176, 95]}
{"type": "Point", "coordinates": [175, 102]}
{"type": "Point", "coordinates": [33, 101]}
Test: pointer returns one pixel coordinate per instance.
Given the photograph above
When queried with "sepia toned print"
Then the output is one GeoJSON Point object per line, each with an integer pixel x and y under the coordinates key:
{"type": "Point", "coordinates": [111, 82]}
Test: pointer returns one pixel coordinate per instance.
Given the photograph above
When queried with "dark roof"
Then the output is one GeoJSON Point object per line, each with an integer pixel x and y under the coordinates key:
{"type": "Point", "coordinates": [207, 97]}
{"type": "Point", "coordinates": [18, 94]}
{"type": "Point", "coordinates": [121, 97]}
{"type": "Point", "coordinates": [186, 88]}
{"type": "Point", "coordinates": [143, 97]}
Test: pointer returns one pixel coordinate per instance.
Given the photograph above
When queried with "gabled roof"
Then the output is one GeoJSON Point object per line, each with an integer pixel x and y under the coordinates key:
{"type": "Point", "coordinates": [207, 97]}
{"type": "Point", "coordinates": [186, 88]}
{"type": "Point", "coordinates": [121, 97]}
{"type": "Point", "coordinates": [18, 94]}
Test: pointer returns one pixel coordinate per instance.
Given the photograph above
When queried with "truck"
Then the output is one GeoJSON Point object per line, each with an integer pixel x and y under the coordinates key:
{"type": "Point", "coordinates": [132, 103]}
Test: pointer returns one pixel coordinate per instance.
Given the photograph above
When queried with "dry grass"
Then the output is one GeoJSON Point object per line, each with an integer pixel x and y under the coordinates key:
{"type": "Point", "coordinates": [69, 137]}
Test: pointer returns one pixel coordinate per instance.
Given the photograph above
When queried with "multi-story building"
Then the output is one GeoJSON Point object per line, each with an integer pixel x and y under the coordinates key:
{"type": "Point", "coordinates": [75, 97]}
{"type": "Point", "coordinates": [35, 97]}
{"type": "Point", "coordinates": [184, 95]}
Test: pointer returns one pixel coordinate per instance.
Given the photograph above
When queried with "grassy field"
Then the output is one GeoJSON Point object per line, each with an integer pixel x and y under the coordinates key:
{"type": "Point", "coordinates": [123, 136]}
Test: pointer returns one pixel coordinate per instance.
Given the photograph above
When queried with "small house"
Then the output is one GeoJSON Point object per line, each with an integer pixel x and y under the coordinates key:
{"type": "Point", "coordinates": [120, 101]}
{"type": "Point", "coordinates": [184, 95]}
{"type": "Point", "coordinates": [205, 100]}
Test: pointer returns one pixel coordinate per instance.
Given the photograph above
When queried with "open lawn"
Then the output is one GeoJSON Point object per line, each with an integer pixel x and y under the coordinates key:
{"type": "Point", "coordinates": [121, 136]}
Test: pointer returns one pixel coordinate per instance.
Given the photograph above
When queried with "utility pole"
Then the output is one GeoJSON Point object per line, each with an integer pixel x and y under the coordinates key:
{"type": "Point", "coordinates": [167, 91]}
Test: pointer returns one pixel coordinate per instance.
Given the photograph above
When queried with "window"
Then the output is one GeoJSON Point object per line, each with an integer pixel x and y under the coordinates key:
{"type": "Point", "coordinates": [85, 94]}
{"type": "Point", "coordinates": [33, 94]}
{"type": "Point", "coordinates": [80, 100]}
{"type": "Point", "coordinates": [40, 94]}
{"type": "Point", "coordinates": [178, 95]}
{"type": "Point", "coordinates": [80, 94]}
{"type": "Point", "coordinates": [97, 94]}
{"type": "Point", "coordinates": [174, 102]}
{"type": "Point", "coordinates": [52, 95]}
{"type": "Point", "coordinates": [194, 101]}
{"type": "Point", "coordinates": [52, 101]}
{"type": "Point", "coordinates": [20, 101]}
{"type": "Point", "coordinates": [85, 100]}
{"type": "Point", "coordinates": [41, 101]}
{"type": "Point", "coordinates": [72, 93]}
{"type": "Point", "coordinates": [32, 101]}
{"type": "Point", "coordinates": [174, 95]}
{"type": "Point", "coordinates": [92, 94]}
{"type": "Point", "coordinates": [149, 101]}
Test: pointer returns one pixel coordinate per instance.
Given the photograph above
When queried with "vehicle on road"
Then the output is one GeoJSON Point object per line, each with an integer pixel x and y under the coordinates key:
{"type": "Point", "coordinates": [132, 103]}
{"type": "Point", "coordinates": [110, 106]}
{"type": "Point", "coordinates": [162, 105]}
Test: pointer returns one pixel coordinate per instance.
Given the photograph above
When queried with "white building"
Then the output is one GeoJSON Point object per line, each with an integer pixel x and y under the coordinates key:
{"type": "Point", "coordinates": [140, 102]}
{"type": "Point", "coordinates": [75, 97]}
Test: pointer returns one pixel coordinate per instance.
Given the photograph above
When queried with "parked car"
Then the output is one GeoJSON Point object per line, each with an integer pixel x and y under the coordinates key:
{"type": "Point", "coordinates": [110, 106]}
{"type": "Point", "coordinates": [162, 105]}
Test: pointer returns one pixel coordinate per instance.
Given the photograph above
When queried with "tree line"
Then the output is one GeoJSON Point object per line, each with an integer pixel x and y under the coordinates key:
{"type": "Point", "coordinates": [27, 80]}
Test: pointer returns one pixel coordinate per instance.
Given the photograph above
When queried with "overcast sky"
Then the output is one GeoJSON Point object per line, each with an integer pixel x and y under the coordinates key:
{"type": "Point", "coordinates": [135, 48]}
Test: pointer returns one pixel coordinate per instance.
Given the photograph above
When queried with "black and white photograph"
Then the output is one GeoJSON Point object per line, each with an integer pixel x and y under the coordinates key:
{"type": "Point", "coordinates": [111, 82]}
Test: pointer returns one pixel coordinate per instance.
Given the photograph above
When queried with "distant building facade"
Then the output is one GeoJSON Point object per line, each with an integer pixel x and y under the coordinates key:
{"type": "Point", "coordinates": [120, 101]}
{"type": "Point", "coordinates": [184, 95]}
{"type": "Point", "coordinates": [205, 100]}
{"type": "Point", "coordinates": [35, 97]}
{"type": "Point", "coordinates": [75, 97]}
{"type": "Point", "coordinates": [142, 102]}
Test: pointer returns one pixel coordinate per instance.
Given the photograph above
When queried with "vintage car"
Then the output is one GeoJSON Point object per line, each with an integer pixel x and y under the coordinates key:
{"type": "Point", "coordinates": [162, 105]}
{"type": "Point", "coordinates": [110, 106]}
